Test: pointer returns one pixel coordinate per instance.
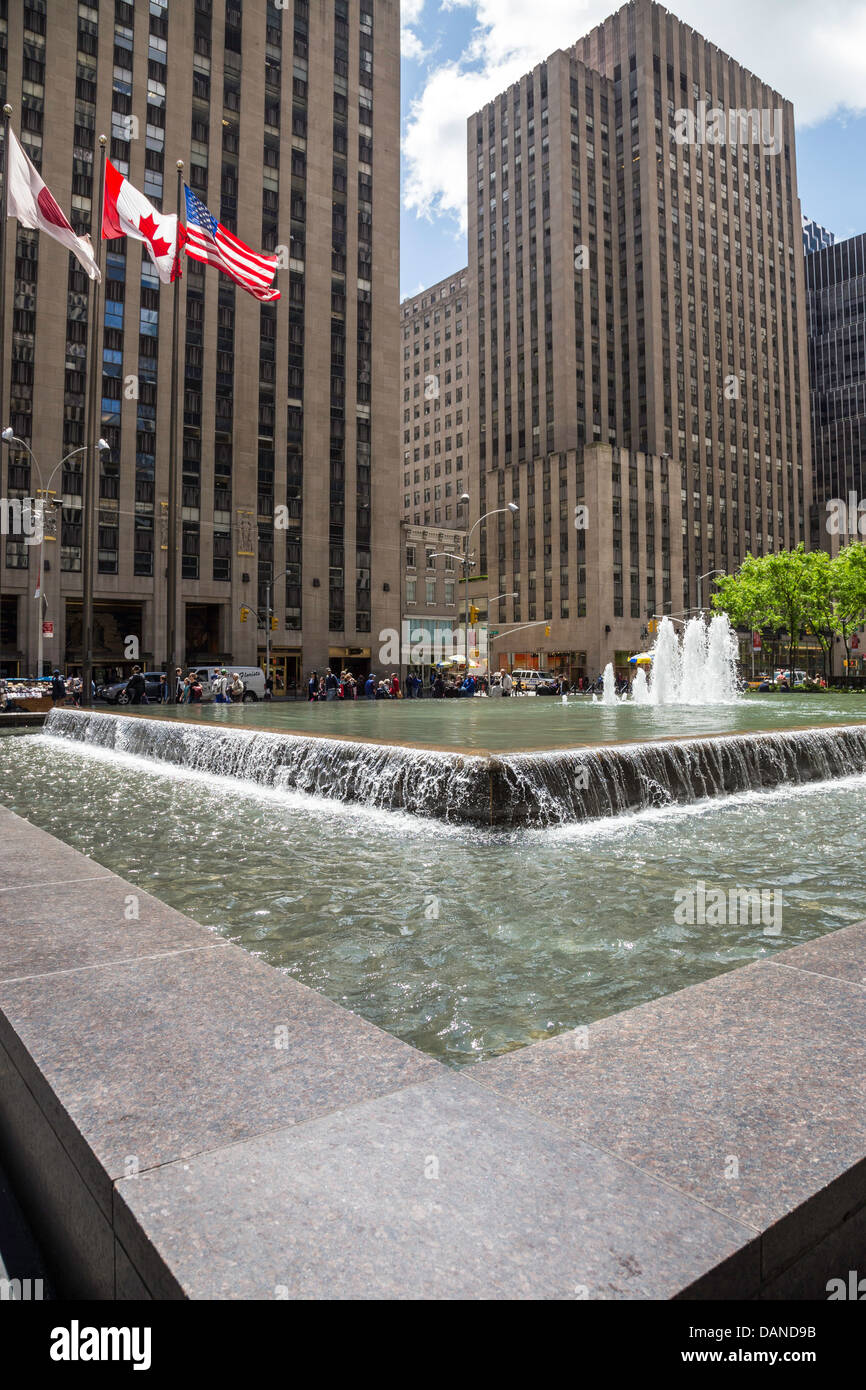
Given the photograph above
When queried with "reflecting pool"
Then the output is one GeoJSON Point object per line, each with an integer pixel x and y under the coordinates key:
{"type": "Point", "coordinates": [464, 942]}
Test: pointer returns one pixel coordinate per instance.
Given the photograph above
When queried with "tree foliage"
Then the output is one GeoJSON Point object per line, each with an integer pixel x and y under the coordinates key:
{"type": "Point", "coordinates": [795, 592]}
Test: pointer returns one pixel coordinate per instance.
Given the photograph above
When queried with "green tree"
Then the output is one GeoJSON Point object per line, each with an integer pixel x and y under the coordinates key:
{"type": "Point", "coordinates": [770, 591]}
{"type": "Point", "coordinates": [848, 589]}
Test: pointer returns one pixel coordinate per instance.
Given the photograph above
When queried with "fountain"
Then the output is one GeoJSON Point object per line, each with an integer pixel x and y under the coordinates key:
{"type": "Point", "coordinates": [702, 670]}
{"type": "Point", "coordinates": [609, 695]}
{"type": "Point", "coordinates": [555, 787]}
{"type": "Point", "coordinates": [640, 689]}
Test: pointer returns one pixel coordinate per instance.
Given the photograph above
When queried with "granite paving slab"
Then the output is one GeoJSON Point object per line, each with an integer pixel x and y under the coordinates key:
{"type": "Point", "coordinates": [143, 1063]}
{"type": "Point", "coordinates": [841, 955]}
{"type": "Point", "coordinates": [441, 1190]}
{"type": "Point", "coordinates": [30, 857]}
{"type": "Point", "coordinates": [89, 923]}
{"type": "Point", "coordinates": [746, 1092]}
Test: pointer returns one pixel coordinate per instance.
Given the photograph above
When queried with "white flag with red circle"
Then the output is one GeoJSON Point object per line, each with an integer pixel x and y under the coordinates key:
{"type": "Point", "coordinates": [34, 205]}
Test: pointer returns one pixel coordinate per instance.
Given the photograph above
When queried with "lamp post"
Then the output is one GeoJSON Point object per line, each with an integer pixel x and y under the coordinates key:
{"type": "Point", "coordinates": [467, 561]}
{"type": "Point", "coordinates": [269, 586]}
{"type": "Point", "coordinates": [701, 579]}
{"type": "Point", "coordinates": [491, 640]}
{"type": "Point", "coordinates": [542, 622]}
{"type": "Point", "coordinates": [9, 438]}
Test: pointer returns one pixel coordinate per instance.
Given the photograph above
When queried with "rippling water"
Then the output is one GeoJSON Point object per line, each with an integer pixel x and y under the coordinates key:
{"type": "Point", "coordinates": [530, 722]}
{"type": "Point", "coordinates": [465, 943]}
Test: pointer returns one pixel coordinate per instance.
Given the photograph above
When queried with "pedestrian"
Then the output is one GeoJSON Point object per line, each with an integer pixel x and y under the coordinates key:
{"type": "Point", "coordinates": [220, 687]}
{"type": "Point", "coordinates": [163, 690]}
{"type": "Point", "coordinates": [135, 686]}
{"type": "Point", "coordinates": [332, 685]}
{"type": "Point", "coordinates": [58, 688]}
{"type": "Point", "coordinates": [313, 687]}
{"type": "Point", "coordinates": [370, 687]}
{"type": "Point", "coordinates": [269, 687]}
{"type": "Point", "coordinates": [395, 686]}
{"type": "Point", "coordinates": [236, 689]}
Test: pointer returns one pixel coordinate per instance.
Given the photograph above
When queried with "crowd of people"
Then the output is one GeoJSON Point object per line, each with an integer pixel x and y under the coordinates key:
{"type": "Point", "coordinates": [348, 686]}
{"type": "Point", "coordinates": [69, 688]}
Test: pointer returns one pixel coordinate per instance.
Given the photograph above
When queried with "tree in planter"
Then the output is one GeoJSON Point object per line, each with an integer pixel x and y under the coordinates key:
{"type": "Point", "coordinates": [770, 591]}
{"type": "Point", "coordinates": [743, 596]}
{"type": "Point", "coordinates": [822, 604]}
{"type": "Point", "coordinates": [848, 591]}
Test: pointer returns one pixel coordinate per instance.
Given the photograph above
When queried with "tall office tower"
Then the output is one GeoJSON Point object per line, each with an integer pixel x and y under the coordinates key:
{"type": "Point", "coordinates": [815, 236]}
{"type": "Point", "coordinates": [287, 118]}
{"type": "Point", "coordinates": [434, 434]}
{"type": "Point", "coordinates": [641, 388]}
{"type": "Point", "coordinates": [836, 282]}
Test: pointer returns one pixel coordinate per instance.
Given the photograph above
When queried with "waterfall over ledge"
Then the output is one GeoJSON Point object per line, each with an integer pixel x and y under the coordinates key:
{"type": "Point", "coordinates": [514, 789]}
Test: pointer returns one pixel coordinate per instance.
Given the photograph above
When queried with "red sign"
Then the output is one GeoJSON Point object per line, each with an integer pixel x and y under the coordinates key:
{"type": "Point", "coordinates": [757, 645]}
{"type": "Point", "coordinates": [48, 629]}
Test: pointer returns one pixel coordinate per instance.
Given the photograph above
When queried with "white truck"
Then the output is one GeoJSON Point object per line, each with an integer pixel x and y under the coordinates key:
{"type": "Point", "coordinates": [253, 678]}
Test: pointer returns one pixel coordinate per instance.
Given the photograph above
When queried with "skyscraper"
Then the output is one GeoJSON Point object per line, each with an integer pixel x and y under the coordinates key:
{"type": "Point", "coordinates": [435, 342]}
{"type": "Point", "coordinates": [836, 280]}
{"type": "Point", "coordinates": [815, 236]}
{"type": "Point", "coordinates": [286, 116]}
{"type": "Point", "coordinates": [641, 383]}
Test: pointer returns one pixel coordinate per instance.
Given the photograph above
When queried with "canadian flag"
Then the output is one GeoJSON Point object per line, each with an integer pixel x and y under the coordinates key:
{"type": "Point", "coordinates": [128, 213]}
{"type": "Point", "coordinates": [33, 204]}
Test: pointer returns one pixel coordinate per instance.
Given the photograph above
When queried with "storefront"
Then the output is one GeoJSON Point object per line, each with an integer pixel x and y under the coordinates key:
{"type": "Point", "coordinates": [285, 668]}
{"type": "Point", "coordinates": [354, 659]}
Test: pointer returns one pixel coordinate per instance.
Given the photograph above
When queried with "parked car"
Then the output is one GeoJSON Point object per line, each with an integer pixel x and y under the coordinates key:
{"type": "Point", "coordinates": [115, 694]}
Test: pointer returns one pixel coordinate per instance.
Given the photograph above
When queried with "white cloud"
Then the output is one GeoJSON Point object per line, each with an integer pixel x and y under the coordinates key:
{"type": "Point", "coordinates": [815, 55]}
{"type": "Point", "coordinates": [411, 46]}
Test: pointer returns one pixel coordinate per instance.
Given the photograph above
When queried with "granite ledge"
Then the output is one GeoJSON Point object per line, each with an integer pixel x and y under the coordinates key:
{"type": "Point", "coordinates": [170, 1059]}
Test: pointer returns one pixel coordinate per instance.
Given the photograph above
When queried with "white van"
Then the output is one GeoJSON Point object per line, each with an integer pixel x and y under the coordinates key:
{"type": "Point", "coordinates": [252, 677]}
{"type": "Point", "coordinates": [529, 679]}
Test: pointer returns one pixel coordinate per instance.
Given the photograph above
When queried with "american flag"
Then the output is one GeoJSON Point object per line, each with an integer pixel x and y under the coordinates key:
{"type": "Point", "coordinates": [211, 242]}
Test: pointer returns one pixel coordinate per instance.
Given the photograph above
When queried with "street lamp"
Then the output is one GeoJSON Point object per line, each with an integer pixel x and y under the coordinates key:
{"type": "Point", "coordinates": [513, 509]}
{"type": "Point", "coordinates": [491, 640]}
{"type": "Point", "coordinates": [268, 588]}
{"type": "Point", "coordinates": [701, 578]}
{"type": "Point", "coordinates": [467, 560]}
{"type": "Point", "coordinates": [9, 437]}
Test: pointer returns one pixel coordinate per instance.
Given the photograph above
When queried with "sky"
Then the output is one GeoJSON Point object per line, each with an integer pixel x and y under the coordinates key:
{"type": "Point", "coordinates": [458, 54]}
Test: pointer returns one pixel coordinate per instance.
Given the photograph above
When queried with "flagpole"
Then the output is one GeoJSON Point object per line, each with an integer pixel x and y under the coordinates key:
{"type": "Point", "coordinates": [4, 166]}
{"type": "Point", "coordinates": [90, 477]}
{"type": "Point", "coordinates": [171, 585]}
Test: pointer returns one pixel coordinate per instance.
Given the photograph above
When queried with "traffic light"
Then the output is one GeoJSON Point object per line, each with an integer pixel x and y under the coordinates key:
{"type": "Point", "coordinates": [547, 631]}
{"type": "Point", "coordinates": [245, 613]}
{"type": "Point", "coordinates": [275, 622]}
{"type": "Point", "coordinates": [652, 626]}
{"type": "Point", "coordinates": [473, 613]}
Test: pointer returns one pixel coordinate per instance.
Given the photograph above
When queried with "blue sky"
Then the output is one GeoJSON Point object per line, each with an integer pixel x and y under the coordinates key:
{"type": "Point", "coordinates": [460, 53]}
